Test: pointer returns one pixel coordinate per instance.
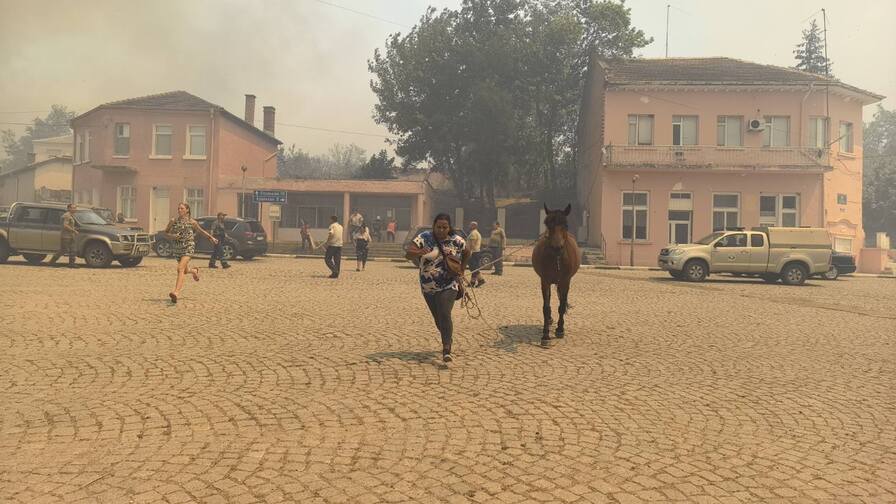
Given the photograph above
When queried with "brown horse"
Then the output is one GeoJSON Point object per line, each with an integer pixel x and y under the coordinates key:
{"type": "Point", "coordinates": [556, 259]}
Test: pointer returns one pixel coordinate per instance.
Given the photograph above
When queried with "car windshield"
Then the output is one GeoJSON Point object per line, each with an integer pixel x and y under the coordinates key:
{"type": "Point", "coordinates": [89, 217]}
{"type": "Point", "coordinates": [706, 240]}
{"type": "Point", "coordinates": [105, 215]}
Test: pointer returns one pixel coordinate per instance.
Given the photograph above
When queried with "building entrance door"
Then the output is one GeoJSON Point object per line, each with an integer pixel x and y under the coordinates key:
{"type": "Point", "coordinates": [160, 209]}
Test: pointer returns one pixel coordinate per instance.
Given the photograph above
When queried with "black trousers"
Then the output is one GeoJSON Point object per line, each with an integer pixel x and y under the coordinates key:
{"type": "Point", "coordinates": [440, 305]}
{"type": "Point", "coordinates": [218, 253]}
{"type": "Point", "coordinates": [361, 251]}
{"type": "Point", "coordinates": [499, 264]}
{"type": "Point", "coordinates": [333, 258]}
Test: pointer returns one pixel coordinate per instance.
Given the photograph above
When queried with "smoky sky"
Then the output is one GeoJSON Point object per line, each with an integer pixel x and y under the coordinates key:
{"type": "Point", "coordinates": [308, 58]}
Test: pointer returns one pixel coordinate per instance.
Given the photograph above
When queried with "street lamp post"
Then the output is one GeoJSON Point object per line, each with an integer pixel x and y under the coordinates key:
{"type": "Point", "coordinates": [631, 252]}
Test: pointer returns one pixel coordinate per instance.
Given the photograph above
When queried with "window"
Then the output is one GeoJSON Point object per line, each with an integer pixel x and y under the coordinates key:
{"type": "Point", "coordinates": [82, 147]}
{"type": "Point", "coordinates": [196, 199]}
{"type": "Point", "coordinates": [246, 208]}
{"type": "Point", "coordinates": [315, 216]}
{"type": "Point", "coordinates": [161, 140]}
{"type": "Point", "coordinates": [640, 130]}
{"type": "Point", "coordinates": [841, 199]}
{"type": "Point", "coordinates": [634, 214]}
{"type": "Point", "coordinates": [757, 240]}
{"type": "Point", "coordinates": [779, 210]}
{"type": "Point", "coordinates": [725, 211]}
{"type": "Point", "coordinates": [846, 137]}
{"type": "Point", "coordinates": [776, 132]}
{"type": "Point", "coordinates": [733, 240]}
{"type": "Point", "coordinates": [127, 201]}
{"type": "Point", "coordinates": [196, 142]}
{"type": "Point", "coordinates": [54, 218]}
{"type": "Point", "coordinates": [818, 132]}
{"type": "Point", "coordinates": [684, 130]}
{"type": "Point", "coordinates": [30, 215]}
{"type": "Point", "coordinates": [122, 139]}
{"type": "Point", "coordinates": [730, 131]}
{"type": "Point", "coordinates": [843, 244]}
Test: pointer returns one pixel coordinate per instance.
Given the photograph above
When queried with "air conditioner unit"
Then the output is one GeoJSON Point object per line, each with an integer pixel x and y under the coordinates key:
{"type": "Point", "coordinates": [755, 125]}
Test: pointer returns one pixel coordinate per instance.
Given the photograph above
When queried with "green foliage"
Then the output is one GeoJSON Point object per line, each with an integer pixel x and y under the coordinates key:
{"type": "Point", "coordinates": [56, 123]}
{"type": "Point", "coordinates": [879, 173]}
{"type": "Point", "coordinates": [341, 162]}
{"type": "Point", "coordinates": [809, 53]}
{"type": "Point", "coordinates": [379, 167]}
{"type": "Point", "coordinates": [489, 94]}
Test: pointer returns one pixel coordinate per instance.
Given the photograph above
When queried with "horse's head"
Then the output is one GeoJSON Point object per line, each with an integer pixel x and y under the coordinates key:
{"type": "Point", "coordinates": [556, 219]}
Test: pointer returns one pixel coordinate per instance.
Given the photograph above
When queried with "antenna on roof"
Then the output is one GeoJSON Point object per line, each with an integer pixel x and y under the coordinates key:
{"type": "Point", "coordinates": [667, 30]}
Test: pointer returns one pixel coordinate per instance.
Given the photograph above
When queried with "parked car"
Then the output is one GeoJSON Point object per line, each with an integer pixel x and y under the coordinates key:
{"type": "Point", "coordinates": [789, 254]}
{"type": "Point", "coordinates": [33, 230]}
{"type": "Point", "coordinates": [486, 253]}
{"type": "Point", "coordinates": [245, 238]}
{"type": "Point", "coordinates": [841, 264]}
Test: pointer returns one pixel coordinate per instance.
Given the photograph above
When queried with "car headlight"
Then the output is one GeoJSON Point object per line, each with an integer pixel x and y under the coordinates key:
{"type": "Point", "coordinates": [676, 252]}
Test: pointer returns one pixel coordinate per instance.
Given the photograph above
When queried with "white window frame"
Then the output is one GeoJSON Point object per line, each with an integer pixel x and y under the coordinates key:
{"type": "Point", "coordinates": [193, 199]}
{"type": "Point", "coordinates": [130, 214]}
{"type": "Point", "coordinates": [115, 138]}
{"type": "Point", "coordinates": [189, 142]}
{"type": "Point", "coordinates": [722, 122]}
{"type": "Point", "coordinates": [847, 139]}
{"type": "Point", "coordinates": [153, 154]}
{"type": "Point", "coordinates": [634, 209]}
{"type": "Point", "coordinates": [82, 147]}
{"type": "Point", "coordinates": [770, 125]}
{"type": "Point", "coordinates": [778, 219]}
{"type": "Point", "coordinates": [814, 141]}
{"type": "Point", "coordinates": [679, 121]}
{"type": "Point", "coordinates": [843, 244]}
{"type": "Point", "coordinates": [635, 120]}
{"type": "Point", "coordinates": [726, 210]}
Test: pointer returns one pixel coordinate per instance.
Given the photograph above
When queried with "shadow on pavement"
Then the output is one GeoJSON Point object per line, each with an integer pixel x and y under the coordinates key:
{"type": "Point", "coordinates": [415, 357]}
{"type": "Point", "coordinates": [519, 334]}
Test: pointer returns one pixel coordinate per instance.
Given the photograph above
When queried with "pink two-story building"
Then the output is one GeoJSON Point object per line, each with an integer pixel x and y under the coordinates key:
{"type": "Point", "coordinates": [673, 149]}
{"type": "Point", "coordinates": [143, 156]}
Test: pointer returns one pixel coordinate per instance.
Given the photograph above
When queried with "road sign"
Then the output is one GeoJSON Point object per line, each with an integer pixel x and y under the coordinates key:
{"type": "Point", "coordinates": [274, 213]}
{"type": "Point", "coordinates": [269, 197]}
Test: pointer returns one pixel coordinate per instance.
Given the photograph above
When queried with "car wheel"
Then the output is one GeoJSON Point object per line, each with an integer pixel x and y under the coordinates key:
{"type": "Point", "coordinates": [130, 262]}
{"type": "Point", "coordinates": [794, 274]}
{"type": "Point", "coordinates": [4, 251]}
{"type": "Point", "coordinates": [228, 251]}
{"type": "Point", "coordinates": [98, 255]}
{"type": "Point", "coordinates": [34, 258]}
{"type": "Point", "coordinates": [695, 270]}
{"type": "Point", "coordinates": [832, 274]}
{"type": "Point", "coordinates": [486, 258]}
{"type": "Point", "coordinates": [164, 248]}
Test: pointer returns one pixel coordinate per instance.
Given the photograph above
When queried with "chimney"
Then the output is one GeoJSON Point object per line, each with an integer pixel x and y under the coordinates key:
{"type": "Point", "coordinates": [269, 120]}
{"type": "Point", "coordinates": [250, 109]}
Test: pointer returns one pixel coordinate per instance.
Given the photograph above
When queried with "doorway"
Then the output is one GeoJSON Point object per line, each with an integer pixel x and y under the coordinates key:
{"type": "Point", "coordinates": [160, 209]}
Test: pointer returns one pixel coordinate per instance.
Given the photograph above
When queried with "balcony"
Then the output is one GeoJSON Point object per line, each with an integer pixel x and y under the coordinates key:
{"type": "Point", "coordinates": [711, 157]}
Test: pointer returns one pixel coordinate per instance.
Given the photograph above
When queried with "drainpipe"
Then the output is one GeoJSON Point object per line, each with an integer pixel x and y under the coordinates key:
{"type": "Point", "coordinates": [803, 117]}
{"type": "Point", "coordinates": [211, 170]}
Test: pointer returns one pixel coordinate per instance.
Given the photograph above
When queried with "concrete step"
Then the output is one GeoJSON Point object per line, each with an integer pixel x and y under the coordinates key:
{"type": "Point", "coordinates": [593, 256]}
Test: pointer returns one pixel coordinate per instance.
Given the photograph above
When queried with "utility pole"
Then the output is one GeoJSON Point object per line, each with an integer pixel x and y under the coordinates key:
{"type": "Point", "coordinates": [243, 168]}
{"type": "Point", "coordinates": [827, 68]}
{"type": "Point", "coordinates": [667, 29]}
{"type": "Point", "coordinates": [631, 252]}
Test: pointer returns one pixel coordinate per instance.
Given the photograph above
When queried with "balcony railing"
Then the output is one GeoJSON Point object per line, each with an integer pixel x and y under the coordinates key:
{"type": "Point", "coordinates": [711, 156]}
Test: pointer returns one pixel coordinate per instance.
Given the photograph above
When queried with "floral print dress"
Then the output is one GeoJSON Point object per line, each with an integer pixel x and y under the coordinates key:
{"type": "Point", "coordinates": [184, 238]}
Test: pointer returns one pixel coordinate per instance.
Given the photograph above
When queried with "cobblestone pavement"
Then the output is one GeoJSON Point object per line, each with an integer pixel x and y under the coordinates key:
{"type": "Point", "coordinates": [271, 383]}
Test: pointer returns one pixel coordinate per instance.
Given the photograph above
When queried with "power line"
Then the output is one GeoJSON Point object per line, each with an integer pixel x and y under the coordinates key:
{"type": "Point", "coordinates": [348, 132]}
{"type": "Point", "coordinates": [361, 13]}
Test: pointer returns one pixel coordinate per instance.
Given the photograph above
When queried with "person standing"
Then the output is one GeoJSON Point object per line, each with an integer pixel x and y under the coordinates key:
{"type": "Point", "coordinates": [378, 229]}
{"type": "Point", "coordinates": [333, 257]}
{"type": "Point", "coordinates": [362, 246]}
{"type": "Point", "coordinates": [219, 231]}
{"type": "Point", "coordinates": [497, 243]}
{"type": "Point", "coordinates": [182, 231]}
{"type": "Point", "coordinates": [474, 241]}
{"type": "Point", "coordinates": [436, 251]}
{"type": "Point", "coordinates": [67, 237]}
{"type": "Point", "coordinates": [391, 229]}
{"type": "Point", "coordinates": [354, 221]}
{"type": "Point", "coordinates": [305, 231]}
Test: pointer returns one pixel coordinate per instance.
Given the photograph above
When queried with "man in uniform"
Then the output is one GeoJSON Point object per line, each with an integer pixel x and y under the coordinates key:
{"type": "Point", "coordinates": [67, 241]}
{"type": "Point", "coordinates": [497, 242]}
{"type": "Point", "coordinates": [219, 231]}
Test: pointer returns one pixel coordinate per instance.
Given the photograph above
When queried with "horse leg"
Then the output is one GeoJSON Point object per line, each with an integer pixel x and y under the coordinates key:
{"type": "Point", "coordinates": [546, 309]}
{"type": "Point", "coordinates": [562, 293]}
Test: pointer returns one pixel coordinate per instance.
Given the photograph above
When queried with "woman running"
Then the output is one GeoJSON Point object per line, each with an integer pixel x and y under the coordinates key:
{"type": "Point", "coordinates": [182, 231]}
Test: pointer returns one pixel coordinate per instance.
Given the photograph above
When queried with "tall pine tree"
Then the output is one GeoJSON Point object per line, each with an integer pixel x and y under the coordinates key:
{"type": "Point", "coordinates": [809, 53]}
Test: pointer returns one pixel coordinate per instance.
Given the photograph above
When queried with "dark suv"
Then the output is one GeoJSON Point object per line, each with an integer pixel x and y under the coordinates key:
{"type": "Point", "coordinates": [245, 238]}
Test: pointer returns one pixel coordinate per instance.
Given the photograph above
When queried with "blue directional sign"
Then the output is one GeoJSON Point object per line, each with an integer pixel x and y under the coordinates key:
{"type": "Point", "coordinates": [269, 197]}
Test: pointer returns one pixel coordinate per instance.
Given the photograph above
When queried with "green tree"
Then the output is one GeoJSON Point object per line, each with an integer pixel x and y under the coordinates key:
{"type": "Point", "coordinates": [341, 162]}
{"type": "Point", "coordinates": [379, 167]}
{"type": "Point", "coordinates": [879, 173]}
{"type": "Point", "coordinates": [491, 91]}
{"type": "Point", "coordinates": [56, 123]}
{"type": "Point", "coordinates": [809, 53]}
